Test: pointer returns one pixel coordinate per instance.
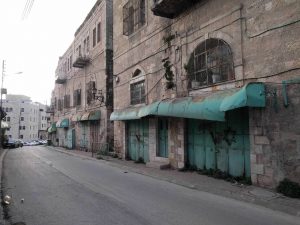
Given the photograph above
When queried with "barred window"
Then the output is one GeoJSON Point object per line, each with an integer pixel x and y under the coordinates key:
{"type": "Point", "coordinates": [137, 92]}
{"type": "Point", "coordinates": [77, 97]}
{"type": "Point", "coordinates": [134, 16]}
{"type": "Point", "coordinates": [67, 101]}
{"type": "Point", "coordinates": [89, 91]}
{"type": "Point", "coordinates": [60, 104]}
{"type": "Point", "coordinates": [210, 63]}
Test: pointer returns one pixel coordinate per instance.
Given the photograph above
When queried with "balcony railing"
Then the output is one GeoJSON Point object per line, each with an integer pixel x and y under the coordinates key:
{"type": "Point", "coordinates": [81, 61]}
{"type": "Point", "coordinates": [171, 8]}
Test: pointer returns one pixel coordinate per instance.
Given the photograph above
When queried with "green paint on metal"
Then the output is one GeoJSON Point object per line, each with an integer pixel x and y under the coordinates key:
{"type": "Point", "coordinates": [95, 115]}
{"type": "Point", "coordinates": [85, 117]}
{"type": "Point", "coordinates": [83, 138]}
{"type": "Point", "coordinates": [126, 114]}
{"type": "Point", "coordinates": [138, 140]}
{"type": "Point", "coordinates": [252, 95]}
{"type": "Point", "coordinates": [163, 138]}
{"type": "Point", "coordinates": [221, 145]}
{"type": "Point", "coordinates": [148, 110]}
{"type": "Point", "coordinates": [64, 123]}
{"type": "Point", "coordinates": [52, 128]}
{"type": "Point", "coordinates": [71, 139]}
{"type": "Point", "coordinates": [210, 106]}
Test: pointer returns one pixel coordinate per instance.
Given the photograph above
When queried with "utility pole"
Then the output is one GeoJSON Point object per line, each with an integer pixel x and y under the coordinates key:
{"type": "Point", "coordinates": [2, 78]}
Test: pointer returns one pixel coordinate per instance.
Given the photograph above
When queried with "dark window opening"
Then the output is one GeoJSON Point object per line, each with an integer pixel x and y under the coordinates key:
{"type": "Point", "coordinates": [89, 91]}
{"type": "Point", "coordinates": [137, 92]}
{"type": "Point", "coordinates": [94, 37]}
{"type": "Point", "coordinates": [98, 32]}
{"type": "Point", "coordinates": [77, 97]}
{"type": "Point", "coordinates": [67, 101]}
{"type": "Point", "coordinates": [134, 16]}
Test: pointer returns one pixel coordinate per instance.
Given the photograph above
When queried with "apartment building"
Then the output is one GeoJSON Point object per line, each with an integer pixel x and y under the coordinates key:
{"type": "Point", "coordinates": [82, 98]}
{"type": "Point", "coordinates": [209, 85]}
{"type": "Point", "coordinates": [27, 119]}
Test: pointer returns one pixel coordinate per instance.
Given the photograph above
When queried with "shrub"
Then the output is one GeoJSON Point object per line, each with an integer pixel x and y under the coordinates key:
{"type": "Point", "coordinates": [289, 188]}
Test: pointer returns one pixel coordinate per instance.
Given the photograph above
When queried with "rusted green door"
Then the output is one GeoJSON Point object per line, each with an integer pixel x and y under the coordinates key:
{"type": "Point", "coordinates": [138, 140]}
{"type": "Point", "coordinates": [71, 139]}
{"type": "Point", "coordinates": [221, 145]}
{"type": "Point", "coordinates": [163, 138]}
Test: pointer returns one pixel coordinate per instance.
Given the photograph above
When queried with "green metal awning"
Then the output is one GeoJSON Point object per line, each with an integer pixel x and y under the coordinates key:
{"type": "Point", "coordinates": [193, 108]}
{"type": "Point", "coordinates": [252, 95]}
{"type": "Point", "coordinates": [95, 115]}
{"type": "Point", "coordinates": [52, 128]}
{"type": "Point", "coordinates": [64, 123]}
{"type": "Point", "coordinates": [76, 117]}
{"type": "Point", "coordinates": [85, 117]}
{"type": "Point", "coordinates": [148, 110]}
{"type": "Point", "coordinates": [209, 106]}
{"type": "Point", "coordinates": [125, 114]}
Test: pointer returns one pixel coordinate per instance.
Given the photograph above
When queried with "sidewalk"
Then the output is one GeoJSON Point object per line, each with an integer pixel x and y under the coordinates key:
{"type": "Point", "coordinates": [193, 180]}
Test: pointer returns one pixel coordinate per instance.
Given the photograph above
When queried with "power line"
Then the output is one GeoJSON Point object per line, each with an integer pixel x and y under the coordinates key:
{"type": "Point", "coordinates": [27, 9]}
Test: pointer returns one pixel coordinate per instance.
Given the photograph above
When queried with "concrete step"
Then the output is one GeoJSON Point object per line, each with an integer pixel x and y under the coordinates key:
{"type": "Point", "coordinates": [158, 165]}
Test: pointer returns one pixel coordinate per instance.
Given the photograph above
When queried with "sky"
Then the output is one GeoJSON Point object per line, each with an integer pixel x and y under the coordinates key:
{"type": "Point", "coordinates": [32, 45]}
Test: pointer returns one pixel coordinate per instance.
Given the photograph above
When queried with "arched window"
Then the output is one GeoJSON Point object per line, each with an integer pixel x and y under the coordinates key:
{"type": "Point", "coordinates": [137, 73]}
{"type": "Point", "coordinates": [210, 63]}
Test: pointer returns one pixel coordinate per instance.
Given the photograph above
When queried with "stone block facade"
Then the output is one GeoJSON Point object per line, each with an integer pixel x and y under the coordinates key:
{"type": "Point", "coordinates": [263, 36]}
{"type": "Point", "coordinates": [84, 82]}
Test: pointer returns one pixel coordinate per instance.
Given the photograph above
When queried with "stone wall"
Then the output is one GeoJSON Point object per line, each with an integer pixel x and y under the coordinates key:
{"type": "Point", "coordinates": [264, 38]}
{"type": "Point", "coordinates": [275, 135]}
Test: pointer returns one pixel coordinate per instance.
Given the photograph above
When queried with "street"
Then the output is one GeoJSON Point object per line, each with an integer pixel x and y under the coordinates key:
{"type": "Point", "coordinates": [61, 189]}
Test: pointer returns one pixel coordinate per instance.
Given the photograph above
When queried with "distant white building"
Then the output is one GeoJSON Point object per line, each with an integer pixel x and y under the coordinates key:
{"type": "Point", "coordinates": [27, 119]}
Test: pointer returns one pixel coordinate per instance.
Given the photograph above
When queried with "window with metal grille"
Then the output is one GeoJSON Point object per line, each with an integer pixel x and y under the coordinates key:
{"type": "Point", "coordinates": [134, 16]}
{"type": "Point", "coordinates": [89, 91]}
{"type": "Point", "coordinates": [67, 101]}
{"type": "Point", "coordinates": [60, 104]}
{"type": "Point", "coordinates": [210, 63]}
{"type": "Point", "coordinates": [137, 92]}
{"type": "Point", "coordinates": [77, 97]}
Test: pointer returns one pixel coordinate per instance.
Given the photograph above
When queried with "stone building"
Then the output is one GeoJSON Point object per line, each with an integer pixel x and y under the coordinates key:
{"type": "Point", "coordinates": [27, 119]}
{"type": "Point", "coordinates": [82, 97]}
{"type": "Point", "coordinates": [209, 84]}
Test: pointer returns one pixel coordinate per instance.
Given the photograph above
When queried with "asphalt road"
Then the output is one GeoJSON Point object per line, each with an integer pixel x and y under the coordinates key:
{"type": "Point", "coordinates": [62, 189]}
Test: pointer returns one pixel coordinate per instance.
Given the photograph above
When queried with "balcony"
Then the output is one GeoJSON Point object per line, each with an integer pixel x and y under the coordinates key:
{"type": "Point", "coordinates": [60, 79]}
{"type": "Point", "coordinates": [81, 61]}
{"type": "Point", "coordinates": [171, 8]}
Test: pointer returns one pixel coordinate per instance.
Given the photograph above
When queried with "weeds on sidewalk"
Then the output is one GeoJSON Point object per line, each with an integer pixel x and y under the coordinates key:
{"type": "Point", "coordinates": [218, 174]}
